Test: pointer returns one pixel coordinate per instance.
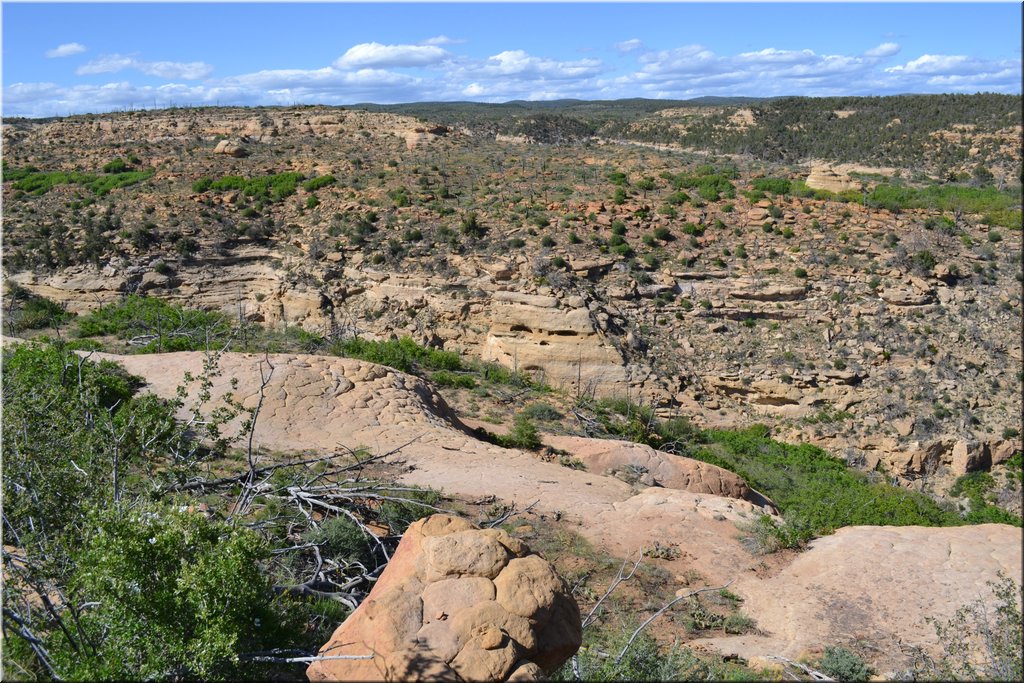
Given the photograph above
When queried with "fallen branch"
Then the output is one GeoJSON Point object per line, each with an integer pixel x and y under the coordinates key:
{"type": "Point", "coordinates": [590, 618]}
{"type": "Point", "coordinates": [301, 660]}
{"type": "Point", "coordinates": [814, 674]}
{"type": "Point", "coordinates": [661, 611]}
{"type": "Point", "coordinates": [302, 591]}
{"type": "Point", "coordinates": [511, 511]}
{"type": "Point", "coordinates": [34, 642]}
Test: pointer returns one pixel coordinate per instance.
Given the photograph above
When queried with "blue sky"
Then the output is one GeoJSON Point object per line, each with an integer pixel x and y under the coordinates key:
{"type": "Point", "coordinates": [69, 58]}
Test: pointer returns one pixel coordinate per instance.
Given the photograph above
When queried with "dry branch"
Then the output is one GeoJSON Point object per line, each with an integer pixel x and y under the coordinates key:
{"type": "Point", "coordinates": [661, 611]}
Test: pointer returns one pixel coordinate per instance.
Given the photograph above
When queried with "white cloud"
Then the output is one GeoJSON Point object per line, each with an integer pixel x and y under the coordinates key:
{"type": "Point", "coordinates": [630, 45]}
{"type": "Point", "coordinates": [883, 50]}
{"type": "Point", "coordinates": [372, 72]}
{"type": "Point", "coordinates": [107, 64]}
{"type": "Point", "coordinates": [772, 56]}
{"type": "Point", "coordinates": [442, 40]}
{"type": "Point", "coordinates": [66, 50]}
{"type": "Point", "coordinates": [375, 54]}
{"type": "Point", "coordinates": [932, 63]}
{"type": "Point", "coordinates": [959, 73]}
{"type": "Point", "coordinates": [518, 63]}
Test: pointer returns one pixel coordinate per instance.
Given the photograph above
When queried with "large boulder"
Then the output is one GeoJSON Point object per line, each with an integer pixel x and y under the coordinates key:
{"type": "Point", "coordinates": [231, 148]}
{"type": "Point", "coordinates": [457, 603]}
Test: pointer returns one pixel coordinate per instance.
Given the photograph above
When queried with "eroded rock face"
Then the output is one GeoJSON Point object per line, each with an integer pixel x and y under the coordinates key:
{"type": "Point", "coordinates": [540, 334]}
{"type": "Point", "coordinates": [825, 178]}
{"type": "Point", "coordinates": [457, 603]}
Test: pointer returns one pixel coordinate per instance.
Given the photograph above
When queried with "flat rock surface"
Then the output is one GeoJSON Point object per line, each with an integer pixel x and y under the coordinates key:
{"type": "Point", "coordinates": [875, 585]}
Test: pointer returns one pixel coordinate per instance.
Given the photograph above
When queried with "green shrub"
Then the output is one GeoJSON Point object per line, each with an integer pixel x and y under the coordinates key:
{"type": "Point", "coordinates": [202, 184]}
{"type": "Point", "coordinates": [175, 328]}
{"type": "Point", "coordinates": [982, 642]}
{"type": "Point", "coordinates": [664, 234]}
{"type": "Point", "coordinates": [499, 374]}
{"type": "Point", "coordinates": [444, 378]}
{"type": "Point", "coordinates": [924, 261]}
{"type": "Point", "coordinates": [32, 311]}
{"type": "Point", "coordinates": [39, 183]}
{"type": "Point", "coordinates": [623, 250]}
{"type": "Point", "coordinates": [314, 184]}
{"type": "Point", "coordinates": [737, 623]}
{"type": "Point", "coordinates": [541, 411]}
{"type": "Point", "coordinates": [416, 504]}
{"type": "Point", "coordinates": [843, 665]}
{"type": "Point", "coordinates": [116, 166]}
{"type": "Point", "coordinates": [339, 538]}
{"type": "Point", "coordinates": [773, 185]}
{"type": "Point", "coordinates": [523, 435]}
{"type": "Point", "coordinates": [472, 226]}
{"type": "Point", "coordinates": [815, 492]}
{"type": "Point", "coordinates": [645, 660]}
{"type": "Point", "coordinates": [402, 354]}
{"type": "Point", "coordinates": [272, 187]}
{"type": "Point", "coordinates": [174, 595]}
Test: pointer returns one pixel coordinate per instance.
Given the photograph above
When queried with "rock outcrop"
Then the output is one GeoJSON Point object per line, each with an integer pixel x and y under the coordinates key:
{"type": "Point", "coordinates": [457, 603]}
{"type": "Point", "coordinates": [826, 178]}
{"type": "Point", "coordinates": [637, 463]}
{"type": "Point", "coordinates": [547, 336]}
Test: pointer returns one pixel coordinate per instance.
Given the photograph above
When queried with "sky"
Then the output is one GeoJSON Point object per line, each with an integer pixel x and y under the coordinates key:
{"type": "Point", "coordinates": [70, 58]}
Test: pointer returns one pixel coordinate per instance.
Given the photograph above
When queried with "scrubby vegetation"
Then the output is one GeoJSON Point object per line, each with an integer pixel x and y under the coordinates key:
{"type": "Point", "coordinates": [979, 643]}
{"type": "Point", "coordinates": [111, 571]}
{"type": "Point", "coordinates": [26, 311]}
{"type": "Point", "coordinates": [33, 181]}
{"type": "Point", "coordinates": [155, 325]}
{"type": "Point", "coordinates": [815, 492]}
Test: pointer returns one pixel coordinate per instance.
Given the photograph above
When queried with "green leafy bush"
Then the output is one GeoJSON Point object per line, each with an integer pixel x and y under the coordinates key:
{"type": "Point", "coordinates": [523, 435]}
{"type": "Point", "coordinates": [816, 492]}
{"type": "Point", "coordinates": [472, 226]}
{"type": "Point", "coordinates": [202, 184]}
{"type": "Point", "coordinates": [32, 311]}
{"type": "Point", "coordinates": [844, 665]}
{"type": "Point", "coordinates": [175, 596]}
{"type": "Point", "coordinates": [49, 397]}
{"type": "Point", "coordinates": [38, 182]}
{"type": "Point", "coordinates": [175, 328]}
{"type": "Point", "coordinates": [645, 660]}
{"type": "Point", "coordinates": [314, 184]}
{"type": "Point", "coordinates": [541, 411]}
{"type": "Point", "coordinates": [773, 185]}
{"type": "Point", "coordinates": [402, 354]}
{"type": "Point", "coordinates": [271, 187]}
{"type": "Point", "coordinates": [340, 538]}
{"type": "Point", "coordinates": [116, 166]}
{"type": "Point", "coordinates": [445, 378]}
